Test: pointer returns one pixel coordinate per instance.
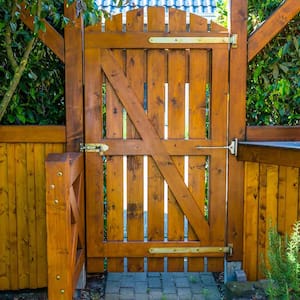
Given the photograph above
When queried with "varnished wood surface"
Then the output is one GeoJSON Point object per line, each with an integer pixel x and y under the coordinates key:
{"type": "Point", "coordinates": [281, 153]}
{"type": "Point", "coordinates": [272, 200]}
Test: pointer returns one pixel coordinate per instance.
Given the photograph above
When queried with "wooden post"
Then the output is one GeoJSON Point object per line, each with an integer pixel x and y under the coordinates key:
{"type": "Point", "coordinates": [58, 215]}
{"type": "Point", "coordinates": [74, 78]}
{"type": "Point", "coordinates": [237, 124]}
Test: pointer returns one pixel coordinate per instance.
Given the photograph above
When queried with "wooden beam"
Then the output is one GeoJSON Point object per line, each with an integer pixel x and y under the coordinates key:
{"type": "Point", "coordinates": [272, 26]}
{"type": "Point", "coordinates": [270, 153]}
{"type": "Point", "coordinates": [237, 124]}
{"type": "Point", "coordinates": [273, 133]}
{"type": "Point", "coordinates": [73, 78]}
{"type": "Point", "coordinates": [32, 134]}
{"type": "Point", "coordinates": [51, 38]}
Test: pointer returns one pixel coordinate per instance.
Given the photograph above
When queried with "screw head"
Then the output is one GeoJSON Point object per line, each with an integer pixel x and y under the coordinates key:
{"type": "Point", "coordinates": [62, 291]}
{"type": "Point", "coordinates": [57, 277]}
{"type": "Point", "coordinates": [59, 173]}
{"type": "Point", "coordinates": [56, 201]}
{"type": "Point", "coordinates": [52, 186]}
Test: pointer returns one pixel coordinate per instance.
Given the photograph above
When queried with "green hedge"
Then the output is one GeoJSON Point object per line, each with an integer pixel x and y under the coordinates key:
{"type": "Point", "coordinates": [273, 85]}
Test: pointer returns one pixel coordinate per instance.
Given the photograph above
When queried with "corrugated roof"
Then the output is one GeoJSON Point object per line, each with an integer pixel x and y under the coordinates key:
{"type": "Point", "coordinates": [205, 8]}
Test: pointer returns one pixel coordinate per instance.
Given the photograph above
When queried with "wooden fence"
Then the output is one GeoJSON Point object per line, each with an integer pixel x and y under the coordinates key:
{"type": "Point", "coordinates": [23, 256]}
{"type": "Point", "coordinates": [271, 190]}
{"type": "Point", "coordinates": [271, 199]}
{"type": "Point", "coordinates": [65, 223]}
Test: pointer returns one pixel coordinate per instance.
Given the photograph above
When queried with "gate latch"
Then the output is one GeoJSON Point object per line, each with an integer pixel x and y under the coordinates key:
{"type": "Point", "coordinates": [233, 147]}
{"type": "Point", "coordinates": [100, 148]}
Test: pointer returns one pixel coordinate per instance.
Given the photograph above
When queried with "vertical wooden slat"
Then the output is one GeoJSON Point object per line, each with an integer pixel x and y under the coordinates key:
{"type": "Point", "coordinates": [281, 218]}
{"type": "Point", "coordinates": [271, 204]}
{"type": "Point", "coordinates": [262, 222]}
{"type": "Point", "coordinates": [198, 79]}
{"type": "Point", "coordinates": [4, 221]}
{"type": "Point", "coordinates": [176, 128]}
{"type": "Point", "coordinates": [40, 153]}
{"type": "Point", "coordinates": [135, 62]}
{"type": "Point", "coordinates": [251, 187]}
{"type": "Point", "coordinates": [237, 124]}
{"type": "Point", "coordinates": [156, 78]}
{"type": "Point", "coordinates": [292, 198]}
{"type": "Point", "coordinates": [219, 96]}
{"type": "Point", "coordinates": [32, 241]}
{"type": "Point", "coordinates": [93, 162]}
{"type": "Point", "coordinates": [22, 215]}
{"type": "Point", "coordinates": [217, 210]}
{"type": "Point", "coordinates": [114, 167]}
{"type": "Point", "coordinates": [14, 268]}
{"type": "Point", "coordinates": [217, 174]}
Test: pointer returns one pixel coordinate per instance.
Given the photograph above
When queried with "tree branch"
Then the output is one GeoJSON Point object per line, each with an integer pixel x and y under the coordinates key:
{"type": "Point", "coordinates": [19, 70]}
{"type": "Point", "coordinates": [16, 79]}
{"type": "Point", "coordinates": [8, 40]}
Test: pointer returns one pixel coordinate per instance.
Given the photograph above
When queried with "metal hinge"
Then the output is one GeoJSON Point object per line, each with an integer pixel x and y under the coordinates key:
{"type": "Point", "coordinates": [185, 250]}
{"type": "Point", "coordinates": [233, 147]}
{"type": "Point", "coordinates": [100, 148]}
{"type": "Point", "coordinates": [195, 40]}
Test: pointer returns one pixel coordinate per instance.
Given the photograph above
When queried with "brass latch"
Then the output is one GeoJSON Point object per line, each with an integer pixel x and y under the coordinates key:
{"type": "Point", "coordinates": [186, 250]}
{"type": "Point", "coordinates": [100, 148]}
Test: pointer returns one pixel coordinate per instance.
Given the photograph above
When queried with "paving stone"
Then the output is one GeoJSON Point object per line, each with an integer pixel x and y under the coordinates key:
{"type": "Point", "coordinates": [154, 274]}
{"type": "Point", "coordinates": [155, 294]}
{"type": "Point", "coordinates": [141, 287]}
{"type": "Point", "coordinates": [182, 282]}
{"type": "Point", "coordinates": [199, 297]}
{"type": "Point", "coordinates": [184, 292]}
{"type": "Point", "coordinates": [127, 283]}
{"type": "Point", "coordinates": [127, 291]}
{"type": "Point", "coordinates": [114, 276]}
{"type": "Point", "coordinates": [140, 276]}
{"type": "Point", "coordinates": [169, 291]}
{"type": "Point", "coordinates": [169, 297]}
{"type": "Point", "coordinates": [154, 282]}
{"type": "Point", "coordinates": [207, 279]}
{"type": "Point", "coordinates": [127, 297]}
{"type": "Point", "coordinates": [112, 289]}
{"type": "Point", "coordinates": [141, 296]}
{"type": "Point", "coordinates": [112, 296]}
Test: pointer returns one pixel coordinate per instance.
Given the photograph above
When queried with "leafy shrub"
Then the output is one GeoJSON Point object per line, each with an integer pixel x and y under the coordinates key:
{"type": "Point", "coordinates": [273, 83]}
{"type": "Point", "coordinates": [273, 94]}
{"type": "Point", "coordinates": [39, 98]}
{"type": "Point", "coordinates": [284, 265]}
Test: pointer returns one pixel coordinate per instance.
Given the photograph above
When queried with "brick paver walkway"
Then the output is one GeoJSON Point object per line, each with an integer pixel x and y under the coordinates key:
{"type": "Point", "coordinates": [161, 286]}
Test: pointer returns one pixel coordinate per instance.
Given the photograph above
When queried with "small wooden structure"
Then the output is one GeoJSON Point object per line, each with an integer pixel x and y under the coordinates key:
{"type": "Point", "coordinates": [255, 187]}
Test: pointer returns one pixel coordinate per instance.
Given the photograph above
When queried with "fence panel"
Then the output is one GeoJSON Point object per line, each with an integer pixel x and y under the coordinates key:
{"type": "Point", "coordinates": [23, 149]}
{"type": "Point", "coordinates": [272, 199]}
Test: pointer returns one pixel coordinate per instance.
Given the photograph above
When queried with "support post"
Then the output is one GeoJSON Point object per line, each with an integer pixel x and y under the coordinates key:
{"type": "Point", "coordinates": [74, 32]}
{"type": "Point", "coordinates": [58, 217]}
{"type": "Point", "coordinates": [237, 124]}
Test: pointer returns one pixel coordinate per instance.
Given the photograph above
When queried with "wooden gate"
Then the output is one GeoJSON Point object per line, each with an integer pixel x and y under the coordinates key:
{"type": "Point", "coordinates": [156, 106]}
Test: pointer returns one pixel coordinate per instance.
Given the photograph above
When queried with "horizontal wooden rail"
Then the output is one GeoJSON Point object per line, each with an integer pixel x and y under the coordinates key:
{"type": "Point", "coordinates": [279, 153]}
{"type": "Point", "coordinates": [65, 223]}
{"type": "Point", "coordinates": [32, 134]}
{"type": "Point", "coordinates": [273, 133]}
